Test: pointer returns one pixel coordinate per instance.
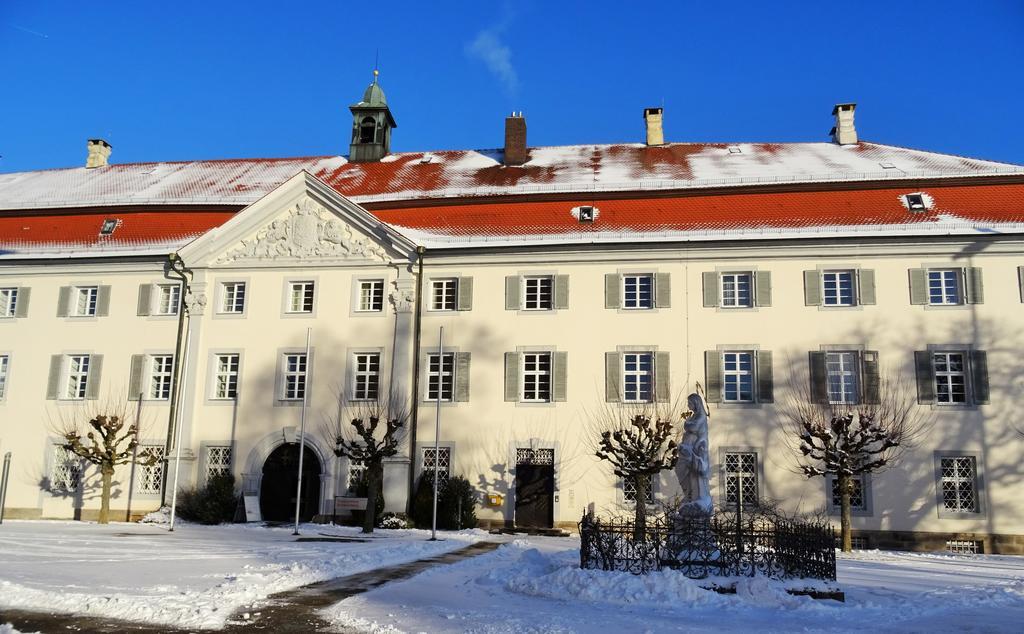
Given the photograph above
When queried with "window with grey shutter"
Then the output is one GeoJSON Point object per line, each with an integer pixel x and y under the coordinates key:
{"type": "Point", "coordinates": [135, 378]}
{"type": "Point", "coordinates": [512, 296]}
{"type": "Point", "coordinates": [559, 389]}
{"type": "Point", "coordinates": [612, 291]}
{"type": "Point", "coordinates": [979, 376]}
{"type": "Point", "coordinates": [819, 378]}
{"type": "Point", "coordinates": [870, 378]}
{"type": "Point", "coordinates": [465, 301]}
{"type": "Point", "coordinates": [713, 376]}
{"type": "Point", "coordinates": [765, 377]}
{"type": "Point", "coordinates": [812, 288]}
{"type": "Point", "coordinates": [102, 301]}
{"type": "Point", "coordinates": [975, 287]}
{"type": "Point", "coordinates": [64, 301]}
{"type": "Point", "coordinates": [511, 376]}
{"type": "Point", "coordinates": [145, 299]}
{"type": "Point", "coordinates": [92, 385]}
{"type": "Point", "coordinates": [866, 287]}
{"type": "Point", "coordinates": [918, 286]}
{"type": "Point", "coordinates": [561, 292]}
{"type": "Point", "coordinates": [612, 377]}
{"type": "Point", "coordinates": [662, 378]}
{"type": "Point", "coordinates": [762, 288]}
{"type": "Point", "coordinates": [663, 290]}
{"type": "Point", "coordinates": [710, 289]}
{"type": "Point", "coordinates": [21, 308]}
{"type": "Point", "coordinates": [53, 382]}
{"type": "Point", "coordinates": [925, 375]}
{"type": "Point", "coordinates": [462, 377]}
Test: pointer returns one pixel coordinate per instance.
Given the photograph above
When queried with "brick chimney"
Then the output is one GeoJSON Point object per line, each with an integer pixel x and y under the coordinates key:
{"type": "Point", "coordinates": [843, 132]}
{"type": "Point", "coordinates": [99, 153]}
{"type": "Point", "coordinates": [652, 120]}
{"type": "Point", "coordinates": [515, 139]}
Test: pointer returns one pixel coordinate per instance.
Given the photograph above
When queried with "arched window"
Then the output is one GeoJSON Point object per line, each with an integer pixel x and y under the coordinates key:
{"type": "Point", "coordinates": [367, 130]}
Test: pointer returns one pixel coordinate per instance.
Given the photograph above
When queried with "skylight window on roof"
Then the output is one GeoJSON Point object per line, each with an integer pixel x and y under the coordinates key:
{"type": "Point", "coordinates": [915, 202]}
{"type": "Point", "coordinates": [886, 165]}
{"type": "Point", "coordinates": [108, 226]}
{"type": "Point", "coordinates": [585, 214]}
{"type": "Point", "coordinates": [735, 149]}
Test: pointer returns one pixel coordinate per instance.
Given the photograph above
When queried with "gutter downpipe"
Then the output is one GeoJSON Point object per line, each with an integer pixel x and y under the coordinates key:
{"type": "Point", "coordinates": [179, 270]}
{"type": "Point", "coordinates": [414, 417]}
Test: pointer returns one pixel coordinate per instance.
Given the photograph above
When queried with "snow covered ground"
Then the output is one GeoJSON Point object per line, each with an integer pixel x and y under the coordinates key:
{"type": "Point", "coordinates": [196, 576]}
{"type": "Point", "coordinates": [535, 585]}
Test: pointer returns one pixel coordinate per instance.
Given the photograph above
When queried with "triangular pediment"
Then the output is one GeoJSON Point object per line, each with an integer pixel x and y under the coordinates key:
{"type": "Point", "coordinates": [302, 221]}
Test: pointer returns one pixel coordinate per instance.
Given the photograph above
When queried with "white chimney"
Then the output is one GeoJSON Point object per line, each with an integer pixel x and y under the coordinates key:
{"type": "Point", "coordinates": [652, 120]}
{"type": "Point", "coordinates": [843, 132]}
{"type": "Point", "coordinates": [99, 153]}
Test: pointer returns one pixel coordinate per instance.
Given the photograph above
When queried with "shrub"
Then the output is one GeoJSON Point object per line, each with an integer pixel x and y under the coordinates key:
{"type": "Point", "coordinates": [456, 503]}
{"type": "Point", "coordinates": [392, 520]}
{"type": "Point", "coordinates": [210, 504]}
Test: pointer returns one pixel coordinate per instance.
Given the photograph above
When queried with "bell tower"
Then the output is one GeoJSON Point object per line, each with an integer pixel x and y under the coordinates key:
{"type": "Point", "coordinates": [371, 125]}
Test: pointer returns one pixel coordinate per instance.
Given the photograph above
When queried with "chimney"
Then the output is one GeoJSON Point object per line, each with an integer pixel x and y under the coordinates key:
{"type": "Point", "coordinates": [515, 139]}
{"type": "Point", "coordinates": [843, 132]}
{"type": "Point", "coordinates": [652, 120]}
{"type": "Point", "coordinates": [99, 153]}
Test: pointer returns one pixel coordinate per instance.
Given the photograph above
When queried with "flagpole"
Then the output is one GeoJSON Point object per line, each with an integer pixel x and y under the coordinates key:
{"type": "Point", "coordinates": [437, 422]}
{"type": "Point", "coordinates": [177, 423]}
{"type": "Point", "coordinates": [302, 432]}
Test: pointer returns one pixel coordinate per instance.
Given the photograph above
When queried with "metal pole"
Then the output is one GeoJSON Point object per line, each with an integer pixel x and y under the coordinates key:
{"type": "Point", "coordinates": [3, 484]}
{"type": "Point", "coordinates": [135, 458]}
{"type": "Point", "coordinates": [302, 433]}
{"type": "Point", "coordinates": [177, 423]}
{"type": "Point", "coordinates": [437, 422]}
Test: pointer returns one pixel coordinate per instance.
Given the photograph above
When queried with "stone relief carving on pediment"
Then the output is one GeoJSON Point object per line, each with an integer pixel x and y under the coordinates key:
{"type": "Point", "coordinates": [307, 230]}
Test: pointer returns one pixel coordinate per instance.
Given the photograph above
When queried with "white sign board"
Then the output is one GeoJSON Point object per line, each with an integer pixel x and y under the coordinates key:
{"type": "Point", "coordinates": [252, 508]}
{"type": "Point", "coordinates": [349, 504]}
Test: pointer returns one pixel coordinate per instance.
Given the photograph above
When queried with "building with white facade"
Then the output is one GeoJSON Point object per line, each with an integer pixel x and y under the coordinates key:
{"type": "Point", "coordinates": [569, 281]}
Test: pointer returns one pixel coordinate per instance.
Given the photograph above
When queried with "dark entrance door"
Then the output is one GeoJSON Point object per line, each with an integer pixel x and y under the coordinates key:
{"type": "Point", "coordinates": [280, 479]}
{"type": "Point", "coordinates": [535, 488]}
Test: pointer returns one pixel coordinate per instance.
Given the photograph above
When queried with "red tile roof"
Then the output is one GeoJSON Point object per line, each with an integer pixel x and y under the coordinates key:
{"type": "Point", "coordinates": [134, 228]}
{"type": "Point", "coordinates": [975, 204]}
{"type": "Point", "coordinates": [463, 173]}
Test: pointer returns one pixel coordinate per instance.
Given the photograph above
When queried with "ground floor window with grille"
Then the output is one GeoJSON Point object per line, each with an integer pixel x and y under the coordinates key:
{"type": "Point", "coordinates": [858, 499]}
{"type": "Point", "coordinates": [439, 461]}
{"type": "Point", "coordinates": [218, 461]}
{"type": "Point", "coordinates": [964, 547]}
{"type": "Point", "coordinates": [151, 477]}
{"type": "Point", "coordinates": [741, 478]}
{"type": "Point", "coordinates": [959, 476]}
{"type": "Point", "coordinates": [66, 470]}
{"type": "Point", "coordinates": [356, 473]}
{"type": "Point", "coordinates": [629, 490]}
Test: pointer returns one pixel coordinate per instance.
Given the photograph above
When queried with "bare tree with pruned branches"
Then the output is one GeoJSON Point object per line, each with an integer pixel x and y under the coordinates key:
{"type": "Point", "coordinates": [640, 442]}
{"type": "Point", "coordinates": [845, 441]}
{"type": "Point", "coordinates": [367, 432]}
{"type": "Point", "coordinates": [105, 435]}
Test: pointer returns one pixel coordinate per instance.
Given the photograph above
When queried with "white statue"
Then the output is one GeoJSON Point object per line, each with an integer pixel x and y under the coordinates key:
{"type": "Point", "coordinates": [694, 465]}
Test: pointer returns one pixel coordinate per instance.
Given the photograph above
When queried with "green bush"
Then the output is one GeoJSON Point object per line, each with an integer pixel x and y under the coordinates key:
{"type": "Point", "coordinates": [211, 504]}
{"type": "Point", "coordinates": [456, 503]}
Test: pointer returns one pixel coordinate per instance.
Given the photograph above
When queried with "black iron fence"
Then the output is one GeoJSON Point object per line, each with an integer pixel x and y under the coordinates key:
{"type": "Point", "coordinates": [724, 544]}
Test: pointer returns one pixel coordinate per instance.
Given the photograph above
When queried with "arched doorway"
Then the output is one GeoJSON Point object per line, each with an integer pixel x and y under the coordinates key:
{"type": "Point", "coordinates": [280, 480]}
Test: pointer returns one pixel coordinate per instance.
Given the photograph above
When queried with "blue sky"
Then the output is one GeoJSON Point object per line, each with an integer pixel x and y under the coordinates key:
{"type": "Point", "coordinates": [190, 80]}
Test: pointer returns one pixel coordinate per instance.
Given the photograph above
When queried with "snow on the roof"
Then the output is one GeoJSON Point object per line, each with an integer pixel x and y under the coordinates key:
{"type": "Point", "coordinates": [469, 173]}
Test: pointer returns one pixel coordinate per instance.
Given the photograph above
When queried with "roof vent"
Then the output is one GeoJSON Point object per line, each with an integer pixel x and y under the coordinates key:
{"type": "Point", "coordinates": [426, 158]}
{"type": "Point", "coordinates": [917, 202]}
{"type": "Point", "coordinates": [109, 225]}
{"type": "Point", "coordinates": [886, 165]}
{"type": "Point", "coordinates": [735, 149]}
{"type": "Point", "coordinates": [585, 214]}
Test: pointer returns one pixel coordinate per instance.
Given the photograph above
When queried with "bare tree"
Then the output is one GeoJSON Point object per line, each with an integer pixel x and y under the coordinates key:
{"type": "Point", "coordinates": [367, 433]}
{"type": "Point", "coordinates": [845, 441]}
{"type": "Point", "coordinates": [640, 443]}
{"type": "Point", "coordinates": [104, 435]}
